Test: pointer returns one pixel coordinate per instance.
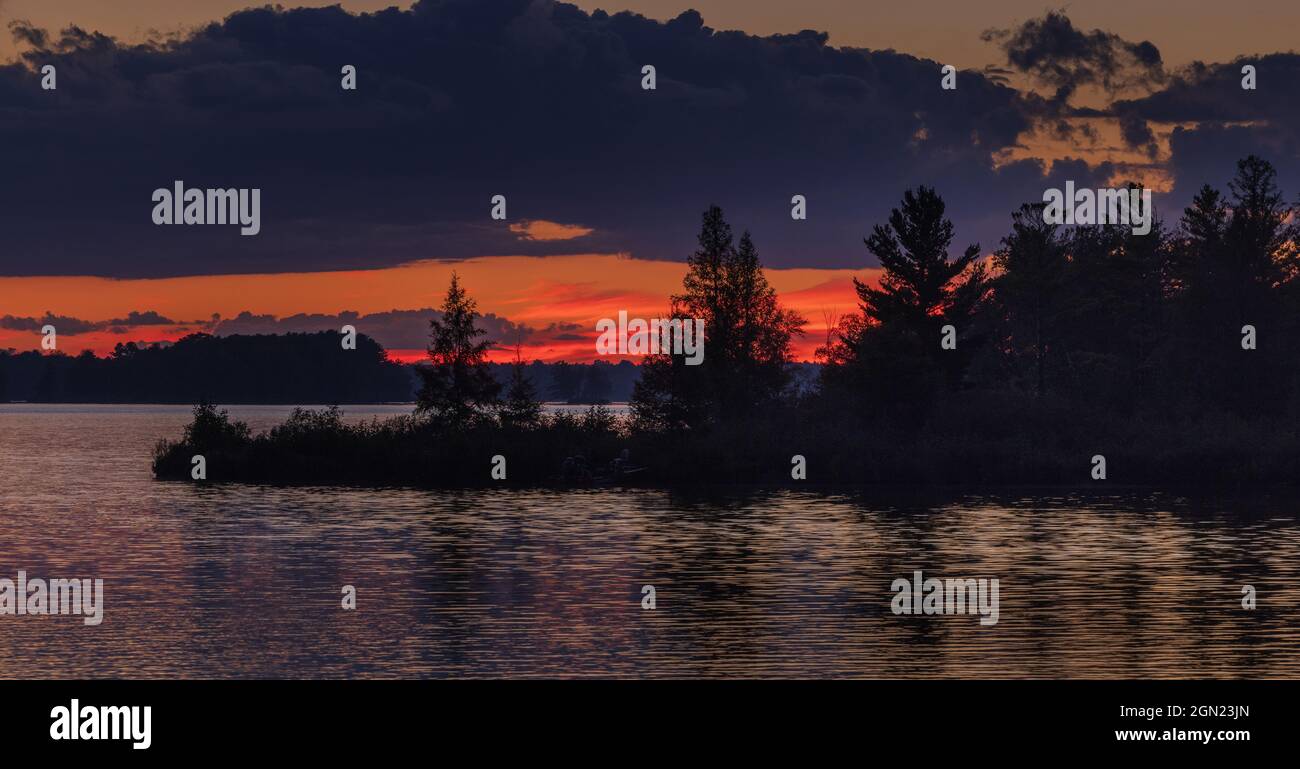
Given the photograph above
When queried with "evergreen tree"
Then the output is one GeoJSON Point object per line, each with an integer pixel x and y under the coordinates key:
{"type": "Point", "coordinates": [1257, 235]}
{"type": "Point", "coordinates": [747, 338]}
{"type": "Point", "coordinates": [920, 282]}
{"type": "Point", "coordinates": [1114, 326]}
{"type": "Point", "coordinates": [520, 409]}
{"type": "Point", "coordinates": [1262, 261]}
{"type": "Point", "coordinates": [1029, 290]}
{"type": "Point", "coordinates": [458, 385]}
{"type": "Point", "coordinates": [1199, 257]}
{"type": "Point", "coordinates": [892, 349]}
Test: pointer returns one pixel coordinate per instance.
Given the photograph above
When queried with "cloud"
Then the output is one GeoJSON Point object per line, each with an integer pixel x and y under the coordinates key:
{"type": "Point", "coordinates": [1054, 52]}
{"type": "Point", "coordinates": [540, 229]}
{"type": "Point", "coordinates": [70, 326]}
{"type": "Point", "coordinates": [62, 323]}
{"type": "Point", "coordinates": [146, 318]}
{"type": "Point", "coordinates": [461, 100]}
{"type": "Point", "coordinates": [1217, 121]}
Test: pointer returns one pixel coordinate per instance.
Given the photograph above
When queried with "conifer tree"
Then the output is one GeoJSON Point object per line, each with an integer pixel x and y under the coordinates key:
{"type": "Point", "coordinates": [458, 386]}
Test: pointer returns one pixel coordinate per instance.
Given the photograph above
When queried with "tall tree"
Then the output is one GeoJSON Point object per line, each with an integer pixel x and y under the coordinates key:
{"type": "Point", "coordinates": [920, 283]}
{"type": "Point", "coordinates": [458, 385]}
{"type": "Point", "coordinates": [1199, 271]}
{"type": "Point", "coordinates": [1261, 266]}
{"type": "Point", "coordinates": [1113, 313]}
{"type": "Point", "coordinates": [1257, 235]}
{"type": "Point", "coordinates": [747, 338]}
{"type": "Point", "coordinates": [1201, 234]}
{"type": "Point", "coordinates": [892, 348]}
{"type": "Point", "coordinates": [1030, 288]}
{"type": "Point", "coordinates": [1235, 264]}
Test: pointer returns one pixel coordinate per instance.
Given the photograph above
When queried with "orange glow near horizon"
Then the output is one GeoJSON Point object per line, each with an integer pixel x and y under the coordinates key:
{"type": "Point", "coordinates": [534, 291]}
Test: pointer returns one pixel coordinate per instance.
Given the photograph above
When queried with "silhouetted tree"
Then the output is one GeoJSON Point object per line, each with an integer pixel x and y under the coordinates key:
{"type": "Point", "coordinates": [520, 409]}
{"type": "Point", "coordinates": [458, 386]}
{"type": "Point", "coordinates": [1258, 234]}
{"type": "Point", "coordinates": [1113, 313]}
{"type": "Point", "coordinates": [747, 338]}
{"type": "Point", "coordinates": [1261, 260]}
{"type": "Point", "coordinates": [1200, 253]}
{"type": "Point", "coordinates": [892, 348]}
{"type": "Point", "coordinates": [213, 430]}
{"type": "Point", "coordinates": [1031, 288]}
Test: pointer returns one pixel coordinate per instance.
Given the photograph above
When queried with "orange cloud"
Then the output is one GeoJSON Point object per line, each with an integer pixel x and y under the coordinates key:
{"type": "Point", "coordinates": [540, 229]}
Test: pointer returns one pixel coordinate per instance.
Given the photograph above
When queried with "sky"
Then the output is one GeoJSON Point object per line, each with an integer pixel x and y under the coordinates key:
{"type": "Point", "coordinates": [370, 198]}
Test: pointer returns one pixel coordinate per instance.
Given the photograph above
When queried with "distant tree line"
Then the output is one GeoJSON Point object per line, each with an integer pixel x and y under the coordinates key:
{"type": "Point", "coordinates": [1174, 354]}
{"type": "Point", "coordinates": [292, 369]}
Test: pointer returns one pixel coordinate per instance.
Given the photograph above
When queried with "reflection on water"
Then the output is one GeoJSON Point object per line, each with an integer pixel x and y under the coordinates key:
{"type": "Point", "coordinates": [244, 581]}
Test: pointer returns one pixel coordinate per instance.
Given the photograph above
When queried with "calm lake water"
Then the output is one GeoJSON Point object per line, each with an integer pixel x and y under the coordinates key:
{"type": "Point", "coordinates": [245, 581]}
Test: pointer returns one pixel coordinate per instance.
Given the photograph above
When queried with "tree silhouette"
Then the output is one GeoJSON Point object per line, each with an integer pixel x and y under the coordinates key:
{"type": "Point", "coordinates": [458, 385]}
{"type": "Point", "coordinates": [1262, 260]}
{"type": "Point", "coordinates": [1113, 313]}
{"type": "Point", "coordinates": [747, 338]}
{"type": "Point", "coordinates": [1200, 255]}
{"type": "Point", "coordinates": [520, 409]}
{"type": "Point", "coordinates": [1033, 263]}
{"type": "Point", "coordinates": [892, 348]}
{"type": "Point", "coordinates": [1258, 233]}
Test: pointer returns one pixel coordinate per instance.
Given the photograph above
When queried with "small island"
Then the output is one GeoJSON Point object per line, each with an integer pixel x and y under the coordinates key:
{"type": "Point", "coordinates": [1071, 356]}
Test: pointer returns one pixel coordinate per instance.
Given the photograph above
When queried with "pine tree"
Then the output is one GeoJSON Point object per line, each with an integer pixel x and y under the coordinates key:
{"type": "Point", "coordinates": [458, 385]}
{"type": "Point", "coordinates": [892, 348]}
{"type": "Point", "coordinates": [1113, 314]}
{"type": "Point", "coordinates": [1257, 234]}
{"type": "Point", "coordinates": [1262, 262]}
{"type": "Point", "coordinates": [920, 282]}
{"type": "Point", "coordinates": [747, 338]}
{"type": "Point", "coordinates": [1030, 288]}
{"type": "Point", "coordinates": [520, 409]}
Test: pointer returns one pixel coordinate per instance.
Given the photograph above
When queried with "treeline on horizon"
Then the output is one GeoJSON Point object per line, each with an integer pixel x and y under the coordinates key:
{"type": "Point", "coordinates": [1173, 355]}
{"type": "Point", "coordinates": [291, 368]}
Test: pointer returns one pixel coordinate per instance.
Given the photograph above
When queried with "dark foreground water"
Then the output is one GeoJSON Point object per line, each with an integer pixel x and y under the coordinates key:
{"type": "Point", "coordinates": [245, 581]}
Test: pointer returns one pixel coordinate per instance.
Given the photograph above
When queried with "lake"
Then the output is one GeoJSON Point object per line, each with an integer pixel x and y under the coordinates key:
{"type": "Point", "coordinates": [246, 581]}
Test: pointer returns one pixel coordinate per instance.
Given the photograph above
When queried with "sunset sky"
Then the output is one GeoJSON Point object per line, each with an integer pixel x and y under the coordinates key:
{"type": "Point", "coordinates": [370, 198]}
